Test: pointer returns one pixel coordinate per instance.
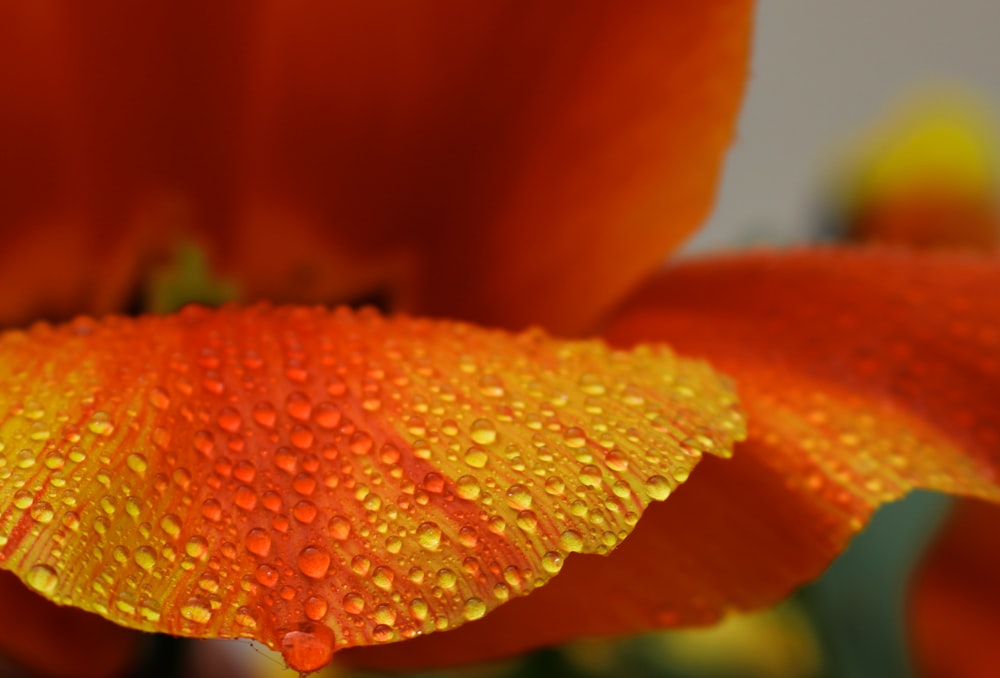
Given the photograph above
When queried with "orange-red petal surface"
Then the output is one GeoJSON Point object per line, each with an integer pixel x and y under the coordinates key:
{"type": "Point", "coordinates": [501, 150]}
{"type": "Point", "coordinates": [863, 375]}
{"type": "Point", "coordinates": [452, 156]}
{"type": "Point", "coordinates": [320, 479]}
{"type": "Point", "coordinates": [955, 597]}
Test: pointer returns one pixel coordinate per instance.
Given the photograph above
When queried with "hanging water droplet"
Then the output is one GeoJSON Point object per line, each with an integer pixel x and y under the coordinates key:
{"type": "Point", "coordinates": [42, 578]}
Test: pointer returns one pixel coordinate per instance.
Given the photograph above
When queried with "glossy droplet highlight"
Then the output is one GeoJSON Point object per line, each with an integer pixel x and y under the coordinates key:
{"type": "Point", "coordinates": [308, 648]}
{"type": "Point", "coordinates": [42, 578]}
{"type": "Point", "coordinates": [314, 562]}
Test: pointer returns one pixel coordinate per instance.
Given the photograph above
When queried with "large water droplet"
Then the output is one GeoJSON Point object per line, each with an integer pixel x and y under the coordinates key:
{"type": "Point", "coordinates": [308, 648]}
{"type": "Point", "coordinates": [314, 562]}
{"type": "Point", "coordinates": [42, 578]}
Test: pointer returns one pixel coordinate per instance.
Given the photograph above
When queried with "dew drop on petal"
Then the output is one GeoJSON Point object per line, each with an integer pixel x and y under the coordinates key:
{"type": "Point", "coordinates": [42, 578]}
{"type": "Point", "coordinates": [658, 488]}
{"type": "Point", "coordinates": [314, 562]}
{"type": "Point", "coordinates": [258, 542]}
{"type": "Point", "coordinates": [483, 432]}
{"type": "Point", "coordinates": [197, 609]}
{"type": "Point", "coordinates": [315, 607]}
{"type": "Point", "coordinates": [353, 603]}
{"type": "Point", "coordinates": [429, 535]}
{"type": "Point", "coordinates": [474, 609]}
{"type": "Point", "coordinates": [339, 528]}
{"type": "Point", "coordinates": [308, 648]}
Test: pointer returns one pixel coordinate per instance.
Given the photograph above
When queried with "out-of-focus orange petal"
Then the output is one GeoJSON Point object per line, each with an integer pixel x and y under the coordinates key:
{"type": "Point", "coordinates": [489, 152]}
{"type": "Point", "coordinates": [318, 480]}
{"type": "Point", "coordinates": [955, 597]}
{"type": "Point", "coordinates": [118, 123]}
{"type": "Point", "coordinates": [863, 375]}
{"type": "Point", "coordinates": [454, 156]}
{"type": "Point", "coordinates": [60, 641]}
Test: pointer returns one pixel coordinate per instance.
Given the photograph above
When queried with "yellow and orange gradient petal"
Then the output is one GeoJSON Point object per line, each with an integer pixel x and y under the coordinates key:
{"type": "Point", "coordinates": [323, 479]}
{"type": "Point", "coordinates": [863, 375]}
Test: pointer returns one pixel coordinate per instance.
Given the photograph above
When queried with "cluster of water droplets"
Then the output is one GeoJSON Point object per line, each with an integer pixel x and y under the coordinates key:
{"type": "Point", "coordinates": [324, 479]}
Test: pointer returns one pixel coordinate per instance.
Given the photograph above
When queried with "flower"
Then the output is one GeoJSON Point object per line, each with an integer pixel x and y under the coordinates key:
{"type": "Point", "coordinates": [566, 154]}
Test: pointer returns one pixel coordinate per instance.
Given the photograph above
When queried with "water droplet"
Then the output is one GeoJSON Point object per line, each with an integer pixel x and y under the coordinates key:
{"type": "Point", "coordinates": [314, 562]}
{"type": "Point", "coordinates": [491, 386]}
{"type": "Point", "coordinates": [229, 420]}
{"type": "Point", "coordinates": [434, 483]}
{"type": "Point", "coordinates": [196, 547]}
{"type": "Point", "coordinates": [42, 512]}
{"type": "Point", "coordinates": [571, 541]}
{"type": "Point", "coordinates": [265, 414]}
{"type": "Point", "coordinates": [211, 509]}
{"type": "Point", "coordinates": [383, 633]}
{"type": "Point", "coordinates": [285, 459]}
{"type": "Point", "coordinates": [382, 577]}
{"type": "Point", "coordinates": [137, 463]}
{"type": "Point", "coordinates": [446, 579]}
{"type": "Point", "coordinates": [305, 512]}
{"type": "Point", "coordinates": [258, 542]}
{"type": "Point", "coordinates": [574, 438]}
{"type": "Point", "coordinates": [658, 488]}
{"type": "Point", "coordinates": [266, 575]}
{"type": "Point", "coordinates": [301, 436]}
{"type": "Point", "coordinates": [315, 608]}
{"type": "Point", "coordinates": [171, 524]}
{"type": "Point", "coordinates": [298, 406]}
{"type": "Point", "coordinates": [145, 557]}
{"type": "Point", "coordinates": [339, 528]}
{"type": "Point", "coordinates": [360, 443]}
{"type": "Point", "coordinates": [159, 398]}
{"type": "Point", "coordinates": [245, 497]}
{"type": "Point", "coordinates": [308, 648]}
{"type": "Point", "coordinates": [518, 497]}
{"type": "Point", "coordinates": [474, 609]}
{"type": "Point", "coordinates": [467, 487]}
{"type": "Point", "coordinates": [589, 476]}
{"type": "Point", "coordinates": [204, 442]}
{"type": "Point", "coordinates": [418, 609]}
{"type": "Point", "coordinates": [197, 609]}
{"type": "Point", "coordinates": [361, 565]}
{"type": "Point", "coordinates": [100, 424]}
{"type": "Point", "coordinates": [353, 603]}
{"type": "Point", "coordinates": [42, 578]}
{"type": "Point", "coordinates": [328, 416]}
{"type": "Point", "coordinates": [385, 614]}
{"type": "Point", "coordinates": [483, 432]}
{"type": "Point", "coordinates": [552, 562]}
{"type": "Point", "coordinates": [429, 536]}
{"type": "Point", "coordinates": [555, 486]}
{"type": "Point", "coordinates": [527, 521]}
{"type": "Point", "coordinates": [389, 454]}
{"type": "Point", "coordinates": [591, 384]}
{"type": "Point", "coordinates": [476, 457]}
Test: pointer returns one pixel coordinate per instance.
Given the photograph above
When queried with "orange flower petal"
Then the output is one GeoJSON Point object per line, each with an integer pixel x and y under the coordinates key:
{"type": "Point", "coordinates": [863, 375]}
{"type": "Point", "coordinates": [117, 126]}
{"type": "Point", "coordinates": [955, 596]}
{"type": "Point", "coordinates": [319, 479]}
{"type": "Point", "coordinates": [459, 156]}
{"type": "Point", "coordinates": [450, 156]}
{"type": "Point", "coordinates": [60, 641]}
